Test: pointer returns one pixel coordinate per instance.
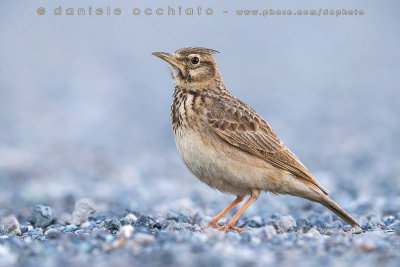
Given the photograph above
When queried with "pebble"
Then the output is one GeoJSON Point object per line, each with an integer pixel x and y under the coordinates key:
{"type": "Point", "coordinates": [183, 218]}
{"type": "Point", "coordinates": [389, 219]}
{"type": "Point", "coordinates": [395, 227]}
{"type": "Point", "coordinates": [87, 225]}
{"type": "Point", "coordinates": [51, 233]}
{"type": "Point", "coordinates": [11, 225]}
{"type": "Point", "coordinates": [129, 219]}
{"type": "Point", "coordinates": [178, 226]}
{"type": "Point", "coordinates": [35, 232]}
{"type": "Point", "coordinates": [145, 221]}
{"type": "Point", "coordinates": [255, 222]}
{"type": "Point", "coordinates": [83, 209]}
{"type": "Point", "coordinates": [79, 232]}
{"type": "Point", "coordinates": [43, 216]}
{"type": "Point", "coordinates": [24, 228]}
{"type": "Point", "coordinates": [70, 228]}
{"type": "Point", "coordinates": [303, 224]}
{"type": "Point", "coordinates": [112, 225]}
{"type": "Point", "coordinates": [171, 215]}
{"type": "Point", "coordinates": [356, 230]}
{"type": "Point", "coordinates": [286, 222]}
{"type": "Point", "coordinates": [265, 232]}
{"type": "Point", "coordinates": [126, 231]}
{"type": "Point", "coordinates": [312, 233]}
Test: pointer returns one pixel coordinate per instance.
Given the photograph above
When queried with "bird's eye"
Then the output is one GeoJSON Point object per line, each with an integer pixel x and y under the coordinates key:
{"type": "Point", "coordinates": [195, 60]}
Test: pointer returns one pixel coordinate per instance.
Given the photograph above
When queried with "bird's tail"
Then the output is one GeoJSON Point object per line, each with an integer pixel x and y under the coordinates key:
{"type": "Point", "coordinates": [335, 208]}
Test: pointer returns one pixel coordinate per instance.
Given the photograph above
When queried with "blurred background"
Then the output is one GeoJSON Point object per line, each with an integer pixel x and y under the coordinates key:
{"type": "Point", "coordinates": [85, 107]}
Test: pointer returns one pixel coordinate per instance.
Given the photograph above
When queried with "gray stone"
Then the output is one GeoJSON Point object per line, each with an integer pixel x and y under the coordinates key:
{"type": "Point", "coordinates": [35, 232]}
{"type": "Point", "coordinates": [43, 216]}
{"type": "Point", "coordinates": [312, 233]}
{"type": "Point", "coordinates": [269, 231]}
{"type": "Point", "coordinates": [286, 222]}
{"type": "Point", "coordinates": [395, 227]}
{"type": "Point", "coordinates": [129, 219]}
{"type": "Point", "coordinates": [265, 232]}
{"type": "Point", "coordinates": [83, 209]}
{"type": "Point", "coordinates": [178, 226]}
{"type": "Point", "coordinates": [65, 218]}
{"type": "Point", "coordinates": [389, 219]}
{"type": "Point", "coordinates": [172, 216]}
{"type": "Point", "coordinates": [166, 225]}
{"type": "Point", "coordinates": [356, 230]}
{"type": "Point", "coordinates": [112, 225]}
{"type": "Point", "coordinates": [70, 228]}
{"type": "Point", "coordinates": [80, 232]}
{"type": "Point", "coordinates": [88, 225]}
{"type": "Point", "coordinates": [183, 218]}
{"type": "Point", "coordinates": [126, 231]}
{"type": "Point", "coordinates": [51, 233]}
{"type": "Point", "coordinates": [11, 225]}
{"type": "Point", "coordinates": [303, 224]}
{"type": "Point", "coordinates": [24, 228]}
{"type": "Point", "coordinates": [145, 221]}
{"type": "Point", "coordinates": [255, 222]}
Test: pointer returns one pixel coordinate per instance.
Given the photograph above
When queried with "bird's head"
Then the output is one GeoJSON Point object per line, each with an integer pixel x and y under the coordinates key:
{"type": "Point", "coordinates": [192, 66]}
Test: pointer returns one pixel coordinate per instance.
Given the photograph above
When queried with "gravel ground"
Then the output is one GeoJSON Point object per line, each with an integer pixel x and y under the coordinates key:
{"type": "Point", "coordinates": [173, 239]}
{"type": "Point", "coordinates": [138, 218]}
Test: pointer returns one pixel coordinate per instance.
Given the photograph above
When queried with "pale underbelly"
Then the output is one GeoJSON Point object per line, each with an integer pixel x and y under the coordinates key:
{"type": "Point", "coordinates": [227, 169]}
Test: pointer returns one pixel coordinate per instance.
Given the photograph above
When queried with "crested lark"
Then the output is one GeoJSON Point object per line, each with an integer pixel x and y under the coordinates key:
{"type": "Point", "coordinates": [228, 145]}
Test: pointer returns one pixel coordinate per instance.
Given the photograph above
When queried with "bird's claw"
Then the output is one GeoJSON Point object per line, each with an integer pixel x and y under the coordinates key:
{"type": "Point", "coordinates": [224, 228]}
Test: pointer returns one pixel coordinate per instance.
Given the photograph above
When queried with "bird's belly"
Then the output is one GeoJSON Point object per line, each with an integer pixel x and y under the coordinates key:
{"type": "Point", "coordinates": [221, 167]}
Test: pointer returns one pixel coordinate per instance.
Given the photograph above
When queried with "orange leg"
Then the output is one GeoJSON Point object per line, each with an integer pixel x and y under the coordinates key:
{"type": "Point", "coordinates": [255, 193]}
{"type": "Point", "coordinates": [214, 222]}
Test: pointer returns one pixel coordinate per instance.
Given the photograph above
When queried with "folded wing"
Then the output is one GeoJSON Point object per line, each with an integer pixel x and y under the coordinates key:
{"type": "Point", "coordinates": [241, 126]}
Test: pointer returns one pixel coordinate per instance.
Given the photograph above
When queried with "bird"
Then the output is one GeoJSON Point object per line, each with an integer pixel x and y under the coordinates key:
{"type": "Point", "coordinates": [227, 145]}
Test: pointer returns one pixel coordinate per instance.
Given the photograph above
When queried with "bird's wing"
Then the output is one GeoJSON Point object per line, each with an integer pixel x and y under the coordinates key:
{"type": "Point", "coordinates": [241, 126]}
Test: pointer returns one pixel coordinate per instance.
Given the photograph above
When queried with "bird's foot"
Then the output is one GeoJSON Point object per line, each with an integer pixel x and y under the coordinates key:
{"type": "Point", "coordinates": [227, 228]}
{"type": "Point", "coordinates": [224, 228]}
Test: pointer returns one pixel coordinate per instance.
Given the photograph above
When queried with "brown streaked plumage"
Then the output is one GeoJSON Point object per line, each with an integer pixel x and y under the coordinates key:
{"type": "Point", "coordinates": [228, 145]}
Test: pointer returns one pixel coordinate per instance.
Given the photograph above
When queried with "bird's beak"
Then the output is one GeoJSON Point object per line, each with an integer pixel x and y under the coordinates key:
{"type": "Point", "coordinates": [170, 59]}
